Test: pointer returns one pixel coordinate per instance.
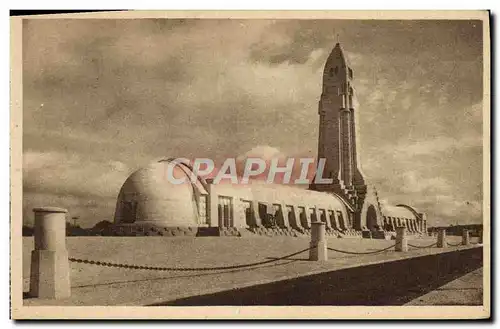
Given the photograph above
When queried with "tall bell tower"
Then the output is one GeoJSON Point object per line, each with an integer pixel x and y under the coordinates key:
{"type": "Point", "coordinates": [337, 134]}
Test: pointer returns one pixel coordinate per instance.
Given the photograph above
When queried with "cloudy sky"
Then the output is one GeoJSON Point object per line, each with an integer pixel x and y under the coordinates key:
{"type": "Point", "coordinates": [105, 97]}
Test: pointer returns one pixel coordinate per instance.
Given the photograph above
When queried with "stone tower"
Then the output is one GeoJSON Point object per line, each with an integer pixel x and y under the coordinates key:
{"type": "Point", "coordinates": [337, 134]}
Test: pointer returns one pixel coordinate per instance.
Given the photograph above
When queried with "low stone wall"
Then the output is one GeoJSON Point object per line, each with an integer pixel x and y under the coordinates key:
{"type": "Point", "coordinates": [136, 230]}
{"type": "Point", "coordinates": [152, 230]}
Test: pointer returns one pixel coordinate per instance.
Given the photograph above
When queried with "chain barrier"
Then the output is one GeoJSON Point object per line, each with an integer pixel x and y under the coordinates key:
{"type": "Point", "coordinates": [361, 253]}
{"type": "Point", "coordinates": [422, 247]}
{"type": "Point", "coordinates": [153, 268]}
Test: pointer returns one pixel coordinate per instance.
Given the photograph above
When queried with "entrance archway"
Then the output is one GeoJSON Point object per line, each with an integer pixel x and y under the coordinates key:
{"type": "Point", "coordinates": [371, 218]}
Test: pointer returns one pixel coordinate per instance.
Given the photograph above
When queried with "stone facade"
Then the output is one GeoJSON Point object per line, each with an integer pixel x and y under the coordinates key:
{"type": "Point", "coordinates": [347, 206]}
{"type": "Point", "coordinates": [148, 199]}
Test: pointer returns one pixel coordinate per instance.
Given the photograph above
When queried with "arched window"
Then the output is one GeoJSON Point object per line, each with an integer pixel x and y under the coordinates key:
{"type": "Point", "coordinates": [303, 217]}
{"type": "Point", "coordinates": [263, 213]}
{"type": "Point", "coordinates": [225, 211]}
{"type": "Point", "coordinates": [249, 218]}
{"type": "Point", "coordinates": [312, 213]}
{"type": "Point", "coordinates": [342, 223]}
{"type": "Point", "coordinates": [202, 210]}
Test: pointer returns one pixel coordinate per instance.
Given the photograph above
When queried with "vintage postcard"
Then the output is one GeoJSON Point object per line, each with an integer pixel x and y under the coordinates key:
{"type": "Point", "coordinates": [251, 165]}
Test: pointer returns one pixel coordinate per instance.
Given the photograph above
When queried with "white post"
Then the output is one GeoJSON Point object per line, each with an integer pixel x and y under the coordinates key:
{"type": "Point", "coordinates": [465, 237]}
{"type": "Point", "coordinates": [401, 239]}
{"type": "Point", "coordinates": [441, 240]}
{"type": "Point", "coordinates": [318, 245]}
{"type": "Point", "coordinates": [49, 261]}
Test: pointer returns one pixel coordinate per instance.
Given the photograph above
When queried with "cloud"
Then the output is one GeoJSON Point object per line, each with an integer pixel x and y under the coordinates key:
{"type": "Point", "coordinates": [119, 93]}
{"type": "Point", "coordinates": [413, 182]}
{"type": "Point", "coordinates": [61, 174]}
{"type": "Point", "coordinates": [34, 161]}
{"type": "Point", "coordinates": [293, 40]}
{"type": "Point", "coordinates": [446, 209]}
{"type": "Point", "coordinates": [87, 188]}
{"type": "Point", "coordinates": [473, 115]}
{"type": "Point", "coordinates": [436, 145]}
{"type": "Point", "coordinates": [264, 152]}
{"type": "Point", "coordinates": [270, 154]}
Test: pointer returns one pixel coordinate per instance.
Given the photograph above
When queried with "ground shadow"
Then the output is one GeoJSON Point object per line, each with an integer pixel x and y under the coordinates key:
{"type": "Point", "coordinates": [390, 283]}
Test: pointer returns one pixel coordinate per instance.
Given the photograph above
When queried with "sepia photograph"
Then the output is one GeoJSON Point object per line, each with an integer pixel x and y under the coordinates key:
{"type": "Point", "coordinates": [258, 165]}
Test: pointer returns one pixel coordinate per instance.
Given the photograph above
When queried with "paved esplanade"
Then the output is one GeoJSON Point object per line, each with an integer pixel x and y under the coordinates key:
{"type": "Point", "coordinates": [98, 285]}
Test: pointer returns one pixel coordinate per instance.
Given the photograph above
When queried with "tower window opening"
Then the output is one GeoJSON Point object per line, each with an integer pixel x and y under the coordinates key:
{"type": "Point", "coordinates": [336, 70]}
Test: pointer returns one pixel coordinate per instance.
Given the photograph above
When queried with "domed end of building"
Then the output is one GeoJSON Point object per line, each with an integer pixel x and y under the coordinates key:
{"type": "Point", "coordinates": [149, 197]}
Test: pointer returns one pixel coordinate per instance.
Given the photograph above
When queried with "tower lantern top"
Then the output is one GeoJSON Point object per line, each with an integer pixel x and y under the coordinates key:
{"type": "Point", "coordinates": [337, 68]}
{"type": "Point", "coordinates": [338, 56]}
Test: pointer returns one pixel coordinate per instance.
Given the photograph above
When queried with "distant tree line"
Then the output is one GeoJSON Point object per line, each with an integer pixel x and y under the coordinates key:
{"type": "Point", "coordinates": [474, 229]}
{"type": "Point", "coordinates": [101, 228]}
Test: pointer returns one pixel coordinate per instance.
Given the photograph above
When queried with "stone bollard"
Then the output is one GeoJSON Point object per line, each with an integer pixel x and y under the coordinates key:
{"type": "Point", "coordinates": [318, 245]}
{"type": "Point", "coordinates": [465, 237]}
{"type": "Point", "coordinates": [49, 260]}
{"type": "Point", "coordinates": [480, 241]}
{"type": "Point", "coordinates": [401, 239]}
{"type": "Point", "coordinates": [441, 241]}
